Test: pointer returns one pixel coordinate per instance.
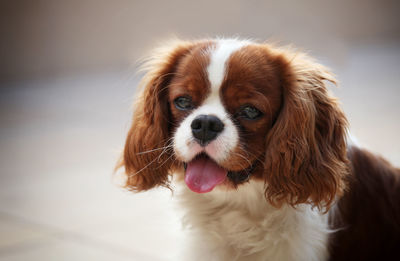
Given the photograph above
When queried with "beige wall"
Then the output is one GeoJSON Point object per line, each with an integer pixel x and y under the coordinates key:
{"type": "Point", "coordinates": [44, 38]}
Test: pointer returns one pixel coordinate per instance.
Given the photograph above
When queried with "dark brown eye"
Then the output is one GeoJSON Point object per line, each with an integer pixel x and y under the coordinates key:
{"type": "Point", "coordinates": [249, 112]}
{"type": "Point", "coordinates": [183, 103]}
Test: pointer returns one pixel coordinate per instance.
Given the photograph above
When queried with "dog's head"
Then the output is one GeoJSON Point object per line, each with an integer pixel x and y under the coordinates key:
{"type": "Point", "coordinates": [226, 111]}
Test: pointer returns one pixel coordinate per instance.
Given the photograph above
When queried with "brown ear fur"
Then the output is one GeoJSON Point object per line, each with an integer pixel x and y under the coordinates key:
{"type": "Point", "coordinates": [306, 149]}
{"type": "Point", "coordinates": [147, 158]}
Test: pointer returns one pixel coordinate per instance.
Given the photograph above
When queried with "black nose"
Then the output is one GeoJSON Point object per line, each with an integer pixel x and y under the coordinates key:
{"type": "Point", "coordinates": [205, 128]}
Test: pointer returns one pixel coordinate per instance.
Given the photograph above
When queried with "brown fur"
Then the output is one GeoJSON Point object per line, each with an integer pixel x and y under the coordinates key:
{"type": "Point", "coordinates": [306, 149]}
{"type": "Point", "coordinates": [367, 217]}
{"type": "Point", "coordinates": [190, 79]}
{"type": "Point", "coordinates": [253, 78]}
{"type": "Point", "coordinates": [146, 165]}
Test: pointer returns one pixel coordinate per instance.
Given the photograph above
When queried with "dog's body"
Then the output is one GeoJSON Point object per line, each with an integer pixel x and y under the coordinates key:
{"type": "Point", "coordinates": [262, 147]}
{"type": "Point", "coordinates": [239, 225]}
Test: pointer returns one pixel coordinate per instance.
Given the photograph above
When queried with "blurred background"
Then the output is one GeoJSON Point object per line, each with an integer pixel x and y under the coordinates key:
{"type": "Point", "coordinates": [67, 78]}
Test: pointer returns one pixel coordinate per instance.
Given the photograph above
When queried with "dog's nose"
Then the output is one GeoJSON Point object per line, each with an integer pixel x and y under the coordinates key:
{"type": "Point", "coordinates": [205, 128]}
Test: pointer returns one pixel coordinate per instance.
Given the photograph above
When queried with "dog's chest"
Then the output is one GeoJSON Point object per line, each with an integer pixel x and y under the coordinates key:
{"type": "Point", "coordinates": [241, 225]}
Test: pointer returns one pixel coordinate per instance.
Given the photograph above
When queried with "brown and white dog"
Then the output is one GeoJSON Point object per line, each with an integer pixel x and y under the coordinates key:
{"type": "Point", "coordinates": [263, 149]}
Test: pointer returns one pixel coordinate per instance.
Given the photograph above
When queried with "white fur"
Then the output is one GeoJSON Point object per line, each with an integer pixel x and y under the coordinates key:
{"type": "Point", "coordinates": [185, 147]}
{"type": "Point", "coordinates": [216, 70]}
{"type": "Point", "coordinates": [241, 225]}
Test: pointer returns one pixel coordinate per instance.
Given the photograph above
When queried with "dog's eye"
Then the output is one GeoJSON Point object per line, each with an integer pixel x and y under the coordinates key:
{"type": "Point", "coordinates": [183, 103]}
{"type": "Point", "coordinates": [250, 112]}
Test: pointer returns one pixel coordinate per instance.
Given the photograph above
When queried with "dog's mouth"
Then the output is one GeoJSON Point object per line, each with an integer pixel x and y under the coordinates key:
{"type": "Point", "coordinates": [203, 174]}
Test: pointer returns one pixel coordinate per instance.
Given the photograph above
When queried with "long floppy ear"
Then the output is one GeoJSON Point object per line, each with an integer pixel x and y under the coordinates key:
{"type": "Point", "coordinates": [147, 158]}
{"type": "Point", "coordinates": [306, 158]}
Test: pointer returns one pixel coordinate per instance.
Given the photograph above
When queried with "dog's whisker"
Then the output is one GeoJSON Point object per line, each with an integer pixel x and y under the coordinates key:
{"type": "Point", "coordinates": [157, 149]}
{"type": "Point", "coordinates": [172, 155]}
{"type": "Point", "coordinates": [243, 157]}
{"type": "Point", "coordinates": [137, 172]}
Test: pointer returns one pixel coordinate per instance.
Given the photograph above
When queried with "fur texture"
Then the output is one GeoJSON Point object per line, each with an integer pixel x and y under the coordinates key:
{"type": "Point", "coordinates": [241, 225]}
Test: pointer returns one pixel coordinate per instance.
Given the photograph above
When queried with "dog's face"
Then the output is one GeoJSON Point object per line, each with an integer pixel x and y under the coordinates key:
{"type": "Point", "coordinates": [226, 111]}
{"type": "Point", "coordinates": [219, 118]}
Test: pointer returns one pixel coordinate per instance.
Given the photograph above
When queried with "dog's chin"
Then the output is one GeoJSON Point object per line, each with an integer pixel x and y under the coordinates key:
{"type": "Point", "coordinates": [203, 174]}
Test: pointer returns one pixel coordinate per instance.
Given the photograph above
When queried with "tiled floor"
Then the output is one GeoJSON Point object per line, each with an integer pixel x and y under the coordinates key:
{"type": "Point", "coordinates": [60, 140]}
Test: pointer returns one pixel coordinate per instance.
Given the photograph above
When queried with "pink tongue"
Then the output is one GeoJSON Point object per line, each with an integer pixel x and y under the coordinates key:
{"type": "Point", "coordinates": [203, 174]}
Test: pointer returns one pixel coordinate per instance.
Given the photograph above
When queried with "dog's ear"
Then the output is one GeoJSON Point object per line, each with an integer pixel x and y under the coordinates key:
{"type": "Point", "coordinates": [306, 158]}
{"type": "Point", "coordinates": [147, 158]}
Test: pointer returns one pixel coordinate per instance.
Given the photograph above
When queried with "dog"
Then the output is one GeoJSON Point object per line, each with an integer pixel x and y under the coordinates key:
{"type": "Point", "coordinates": [261, 152]}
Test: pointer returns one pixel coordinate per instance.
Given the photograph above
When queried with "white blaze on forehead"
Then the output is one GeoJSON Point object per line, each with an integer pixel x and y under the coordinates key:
{"type": "Point", "coordinates": [185, 146]}
{"type": "Point", "coordinates": [217, 68]}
